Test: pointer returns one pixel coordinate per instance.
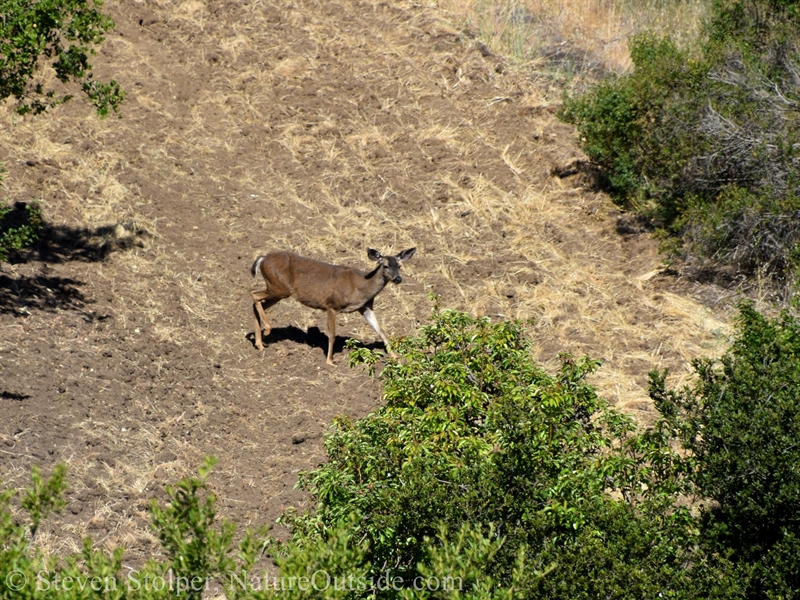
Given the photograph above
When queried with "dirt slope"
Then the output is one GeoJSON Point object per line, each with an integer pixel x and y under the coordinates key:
{"type": "Point", "coordinates": [325, 128]}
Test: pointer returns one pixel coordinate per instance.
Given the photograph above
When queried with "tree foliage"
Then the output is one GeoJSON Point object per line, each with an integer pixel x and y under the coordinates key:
{"type": "Point", "coordinates": [697, 131]}
{"type": "Point", "coordinates": [34, 33]}
{"type": "Point", "coordinates": [476, 438]}
{"type": "Point", "coordinates": [198, 551]}
{"type": "Point", "coordinates": [740, 423]}
{"type": "Point", "coordinates": [19, 227]}
{"type": "Point", "coordinates": [61, 33]}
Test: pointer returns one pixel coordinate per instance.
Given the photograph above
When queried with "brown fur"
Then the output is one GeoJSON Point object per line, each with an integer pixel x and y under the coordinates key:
{"type": "Point", "coordinates": [323, 286]}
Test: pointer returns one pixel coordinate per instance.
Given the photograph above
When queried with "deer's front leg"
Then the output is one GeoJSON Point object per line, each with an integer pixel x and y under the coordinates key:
{"type": "Point", "coordinates": [369, 316]}
{"type": "Point", "coordinates": [331, 334]}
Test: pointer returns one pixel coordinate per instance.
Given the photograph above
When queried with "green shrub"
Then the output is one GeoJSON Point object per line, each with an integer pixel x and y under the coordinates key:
{"type": "Point", "coordinates": [623, 121]}
{"type": "Point", "coordinates": [740, 423]}
{"type": "Point", "coordinates": [33, 32]}
{"type": "Point", "coordinates": [692, 130]}
{"type": "Point", "coordinates": [485, 477]}
{"type": "Point", "coordinates": [755, 232]}
{"type": "Point", "coordinates": [64, 31]}
{"type": "Point", "coordinates": [199, 553]}
{"type": "Point", "coordinates": [20, 226]}
{"type": "Point", "coordinates": [478, 444]}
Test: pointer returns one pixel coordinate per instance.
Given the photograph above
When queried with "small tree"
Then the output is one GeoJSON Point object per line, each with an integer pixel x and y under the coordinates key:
{"type": "Point", "coordinates": [703, 139]}
{"type": "Point", "coordinates": [198, 550]}
{"type": "Point", "coordinates": [19, 227]}
{"type": "Point", "coordinates": [62, 31]}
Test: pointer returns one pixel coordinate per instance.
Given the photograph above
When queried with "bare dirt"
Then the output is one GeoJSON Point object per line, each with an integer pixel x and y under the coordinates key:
{"type": "Point", "coordinates": [321, 127]}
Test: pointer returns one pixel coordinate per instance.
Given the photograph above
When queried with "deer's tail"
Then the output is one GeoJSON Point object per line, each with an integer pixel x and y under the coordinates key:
{"type": "Point", "coordinates": [256, 265]}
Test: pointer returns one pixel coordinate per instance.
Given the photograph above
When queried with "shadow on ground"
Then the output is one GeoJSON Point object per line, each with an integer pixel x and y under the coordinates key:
{"type": "Point", "coordinates": [63, 243]}
{"type": "Point", "coordinates": [18, 296]}
{"type": "Point", "coordinates": [57, 244]}
{"type": "Point", "coordinates": [313, 338]}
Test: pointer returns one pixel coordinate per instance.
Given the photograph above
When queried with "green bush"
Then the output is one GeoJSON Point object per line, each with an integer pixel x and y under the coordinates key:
{"type": "Point", "coordinates": [623, 123]}
{"type": "Point", "coordinates": [198, 552]}
{"type": "Point", "coordinates": [20, 226]}
{"type": "Point", "coordinates": [64, 31]}
{"type": "Point", "coordinates": [740, 423]}
{"type": "Point", "coordinates": [33, 32]}
{"type": "Point", "coordinates": [754, 231]}
{"type": "Point", "coordinates": [692, 130]}
{"type": "Point", "coordinates": [476, 439]}
{"type": "Point", "coordinates": [477, 443]}
{"type": "Point", "coordinates": [485, 477]}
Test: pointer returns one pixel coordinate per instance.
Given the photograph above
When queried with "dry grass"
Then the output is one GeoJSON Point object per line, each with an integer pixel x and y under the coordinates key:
{"type": "Point", "coordinates": [574, 37]}
{"type": "Point", "coordinates": [583, 292]}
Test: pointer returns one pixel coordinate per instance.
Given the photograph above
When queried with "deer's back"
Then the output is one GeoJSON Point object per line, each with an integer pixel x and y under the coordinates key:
{"type": "Point", "coordinates": [312, 282]}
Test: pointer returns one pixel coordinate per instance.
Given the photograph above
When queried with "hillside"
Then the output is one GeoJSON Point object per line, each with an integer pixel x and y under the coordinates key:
{"type": "Point", "coordinates": [324, 128]}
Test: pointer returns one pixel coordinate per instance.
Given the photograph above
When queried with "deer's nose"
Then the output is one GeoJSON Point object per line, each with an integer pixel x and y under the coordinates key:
{"type": "Point", "coordinates": [397, 279]}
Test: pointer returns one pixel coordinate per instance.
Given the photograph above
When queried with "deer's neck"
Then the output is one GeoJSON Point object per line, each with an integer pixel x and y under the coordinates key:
{"type": "Point", "coordinates": [374, 281]}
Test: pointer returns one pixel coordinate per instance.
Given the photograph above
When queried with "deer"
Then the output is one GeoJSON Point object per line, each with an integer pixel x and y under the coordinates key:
{"type": "Point", "coordinates": [332, 288]}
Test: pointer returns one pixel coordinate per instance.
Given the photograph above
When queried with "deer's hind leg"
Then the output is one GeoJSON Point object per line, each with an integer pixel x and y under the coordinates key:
{"type": "Point", "coordinates": [260, 299]}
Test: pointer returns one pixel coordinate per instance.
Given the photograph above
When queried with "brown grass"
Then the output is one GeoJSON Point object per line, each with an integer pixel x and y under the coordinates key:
{"type": "Point", "coordinates": [574, 38]}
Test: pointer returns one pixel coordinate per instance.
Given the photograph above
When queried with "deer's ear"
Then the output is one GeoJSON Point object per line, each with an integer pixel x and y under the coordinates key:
{"type": "Point", "coordinates": [373, 254]}
{"type": "Point", "coordinates": [406, 254]}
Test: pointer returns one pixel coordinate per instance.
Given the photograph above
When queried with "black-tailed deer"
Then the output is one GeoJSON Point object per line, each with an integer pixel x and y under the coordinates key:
{"type": "Point", "coordinates": [331, 288]}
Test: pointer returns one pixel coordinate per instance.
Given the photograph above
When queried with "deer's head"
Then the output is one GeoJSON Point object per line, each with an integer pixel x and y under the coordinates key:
{"type": "Point", "coordinates": [389, 266]}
